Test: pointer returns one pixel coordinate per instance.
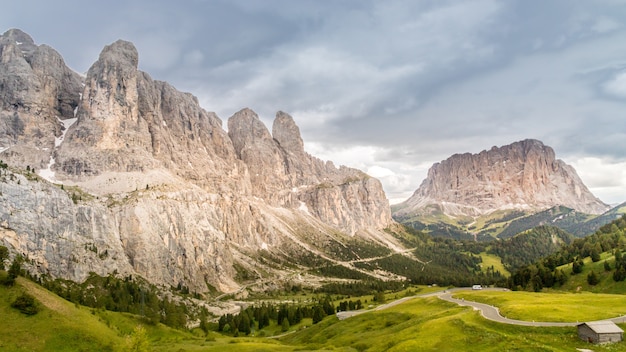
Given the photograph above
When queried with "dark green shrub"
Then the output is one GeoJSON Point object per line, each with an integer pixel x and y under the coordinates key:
{"type": "Point", "coordinates": [26, 304]}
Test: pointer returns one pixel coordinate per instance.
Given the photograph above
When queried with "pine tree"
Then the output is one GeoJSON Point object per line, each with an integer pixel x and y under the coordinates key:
{"type": "Point", "coordinates": [318, 314]}
{"type": "Point", "coordinates": [244, 324]}
{"type": "Point", "coordinates": [619, 274]}
{"type": "Point", "coordinates": [14, 271]}
{"type": "Point", "coordinates": [536, 282]}
{"type": "Point", "coordinates": [4, 255]}
{"type": "Point", "coordinates": [592, 278]}
{"type": "Point", "coordinates": [221, 323]}
{"type": "Point", "coordinates": [577, 266]}
{"type": "Point", "coordinates": [380, 297]}
{"type": "Point", "coordinates": [138, 340]}
{"type": "Point", "coordinates": [595, 253]}
{"type": "Point", "coordinates": [285, 325]}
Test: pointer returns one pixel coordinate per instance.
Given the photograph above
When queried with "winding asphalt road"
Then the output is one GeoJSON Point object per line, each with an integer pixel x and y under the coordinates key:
{"type": "Point", "coordinates": [487, 311]}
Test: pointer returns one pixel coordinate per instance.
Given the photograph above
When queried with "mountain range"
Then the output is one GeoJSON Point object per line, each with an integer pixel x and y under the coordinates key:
{"type": "Point", "coordinates": [116, 172]}
{"type": "Point", "coordinates": [113, 172]}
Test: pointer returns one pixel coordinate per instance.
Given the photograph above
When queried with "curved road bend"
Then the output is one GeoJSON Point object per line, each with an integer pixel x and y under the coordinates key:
{"type": "Point", "coordinates": [493, 313]}
{"type": "Point", "coordinates": [487, 311]}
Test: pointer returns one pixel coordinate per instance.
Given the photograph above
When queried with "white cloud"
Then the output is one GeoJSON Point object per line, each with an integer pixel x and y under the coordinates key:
{"type": "Point", "coordinates": [617, 85]}
{"type": "Point", "coordinates": [605, 25]}
{"type": "Point", "coordinates": [606, 179]}
{"type": "Point", "coordinates": [378, 171]}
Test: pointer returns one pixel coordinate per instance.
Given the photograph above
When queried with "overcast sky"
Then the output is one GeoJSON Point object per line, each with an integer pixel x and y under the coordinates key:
{"type": "Point", "coordinates": [389, 87]}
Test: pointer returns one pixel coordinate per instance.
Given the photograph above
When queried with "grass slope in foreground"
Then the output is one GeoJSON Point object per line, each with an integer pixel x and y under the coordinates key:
{"type": "Point", "coordinates": [429, 324]}
{"type": "Point", "coordinates": [58, 326]}
{"type": "Point", "coordinates": [421, 324]}
{"type": "Point", "coordinates": [63, 326]}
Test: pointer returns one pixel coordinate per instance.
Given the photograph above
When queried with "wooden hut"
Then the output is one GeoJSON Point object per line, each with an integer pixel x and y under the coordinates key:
{"type": "Point", "coordinates": [600, 332]}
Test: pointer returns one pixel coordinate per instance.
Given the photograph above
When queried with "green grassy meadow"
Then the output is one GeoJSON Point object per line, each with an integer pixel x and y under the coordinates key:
{"type": "Point", "coordinates": [495, 261]}
{"type": "Point", "coordinates": [579, 282]}
{"type": "Point", "coordinates": [420, 324]}
{"type": "Point", "coordinates": [551, 306]}
{"type": "Point", "coordinates": [59, 326]}
{"type": "Point", "coordinates": [429, 324]}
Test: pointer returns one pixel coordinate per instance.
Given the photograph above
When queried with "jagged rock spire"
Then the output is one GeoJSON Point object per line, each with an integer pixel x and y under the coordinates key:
{"type": "Point", "coordinates": [287, 133]}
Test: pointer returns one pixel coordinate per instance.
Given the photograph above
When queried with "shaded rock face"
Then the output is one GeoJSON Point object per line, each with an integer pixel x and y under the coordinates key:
{"type": "Point", "coordinates": [153, 185]}
{"type": "Point", "coordinates": [37, 91]}
{"type": "Point", "coordinates": [522, 175]}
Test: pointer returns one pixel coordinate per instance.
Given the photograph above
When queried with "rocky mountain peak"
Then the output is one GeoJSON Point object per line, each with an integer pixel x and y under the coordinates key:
{"type": "Point", "coordinates": [287, 133]}
{"type": "Point", "coordinates": [22, 41]}
{"type": "Point", "coordinates": [246, 130]}
{"type": "Point", "coordinates": [120, 53]}
{"type": "Point", "coordinates": [19, 36]}
{"type": "Point", "coordinates": [38, 92]}
{"type": "Point", "coordinates": [522, 175]}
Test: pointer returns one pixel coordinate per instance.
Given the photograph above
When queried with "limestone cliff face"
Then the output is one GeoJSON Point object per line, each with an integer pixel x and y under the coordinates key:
{"type": "Point", "coordinates": [152, 183]}
{"type": "Point", "coordinates": [522, 175]}
{"type": "Point", "coordinates": [128, 122]}
{"type": "Point", "coordinates": [284, 175]}
{"type": "Point", "coordinates": [37, 92]}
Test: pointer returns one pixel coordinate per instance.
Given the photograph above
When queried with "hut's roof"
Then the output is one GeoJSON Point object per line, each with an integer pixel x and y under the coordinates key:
{"type": "Point", "coordinates": [603, 327]}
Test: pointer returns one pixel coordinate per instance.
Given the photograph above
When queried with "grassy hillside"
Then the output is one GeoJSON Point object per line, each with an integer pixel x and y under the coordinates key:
{"type": "Point", "coordinates": [594, 263]}
{"type": "Point", "coordinates": [63, 326]}
{"type": "Point", "coordinates": [606, 283]}
{"type": "Point", "coordinates": [59, 325]}
{"type": "Point", "coordinates": [429, 324]}
{"type": "Point", "coordinates": [529, 246]}
{"type": "Point", "coordinates": [420, 324]}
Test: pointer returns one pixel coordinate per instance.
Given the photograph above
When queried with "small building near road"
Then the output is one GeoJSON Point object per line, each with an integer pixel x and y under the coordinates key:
{"type": "Point", "coordinates": [600, 332]}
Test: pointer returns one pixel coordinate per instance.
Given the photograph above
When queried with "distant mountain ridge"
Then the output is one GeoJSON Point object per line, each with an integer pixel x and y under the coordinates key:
{"type": "Point", "coordinates": [472, 194]}
{"type": "Point", "coordinates": [522, 175]}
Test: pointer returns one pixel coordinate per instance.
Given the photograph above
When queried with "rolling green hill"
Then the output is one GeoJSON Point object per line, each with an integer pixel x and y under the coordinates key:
{"type": "Point", "coordinates": [529, 246]}
{"type": "Point", "coordinates": [570, 267]}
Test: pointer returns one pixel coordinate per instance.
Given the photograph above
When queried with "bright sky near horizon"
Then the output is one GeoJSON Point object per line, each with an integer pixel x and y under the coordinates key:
{"type": "Point", "coordinates": [389, 87]}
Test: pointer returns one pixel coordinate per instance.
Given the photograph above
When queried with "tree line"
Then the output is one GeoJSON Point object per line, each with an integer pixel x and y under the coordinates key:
{"type": "Point", "coordinates": [125, 294]}
{"type": "Point", "coordinates": [257, 317]}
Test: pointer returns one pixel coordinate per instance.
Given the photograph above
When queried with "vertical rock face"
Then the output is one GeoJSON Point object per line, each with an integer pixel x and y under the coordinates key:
{"type": "Point", "coordinates": [284, 175]}
{"type": "Point", "coordinates": [287, 134]}
{"type": "Point", "coordinates": [153, 185]}
{"type": "Point", "coordinates": [37, 91]}
{"type": "Point", "coordinates": [522, 175]}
